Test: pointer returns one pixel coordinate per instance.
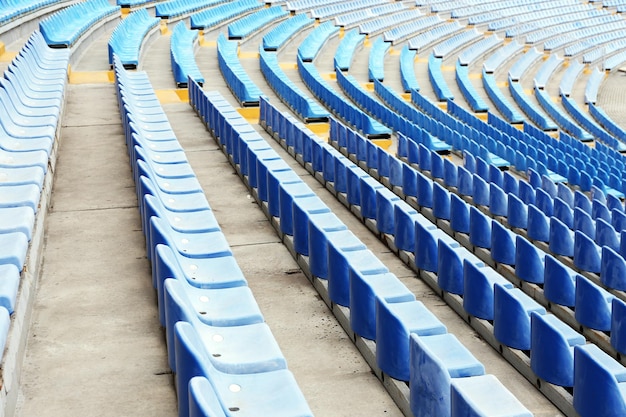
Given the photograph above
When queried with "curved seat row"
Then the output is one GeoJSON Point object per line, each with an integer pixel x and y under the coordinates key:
{"type": "Point", "coordinates": [502, 103]}
{"type": "Point", "coordinates": [63, 28]}
{"type": "Point", "coordinates": [376, 59]}
{"type": "Point", "coordinates": [246, 25]}
{"type": "Point", "coordinates": [560, 117]}
{"type": "Point", "coordinates": [435, 75]}
{"type": "Point", "coordinates": [313, 43]}
{"type": "Point", "coordinates": [380, 307]}
{"type": "Point", "coordinates": [543, 10]}
{"type": "Point", "coordinates": [215, 15]}
{"type": "Point", "coordinates": [407, 69]}
{"type": "Point", "coordinates": [398, 33]}
{"type": "Point", "coordinates": [182, 45]}
{"type": "Point", "coordinates": [511, 309]}
{"type": "Point", "coordinates": [371, 27]}
{"type": "Point", "coordinates": [175, 8]}
{"type": "Point", "coordinates": [15, 9]}
{"type": "Point", "coordinates": [476, 102]}
{"type": "Point", "coordinates": [278, 36]}
{"type": "Point", "coordinates": [243, 88]}
{"type": "Point", "coordinates": [209, 313]}
{"type": "Point", "coordinates": [344, 7]}
{"type": "Point", "coordinates": [32, 94]}
{"type": "Point", "coordinates": [501, 56]}
{"type": "Point", "coordinates": [352, 18]}
{"type": "Point", "coordinates": [479, 49]}
{"type": "Point", "coordinates": [128, 37]}
{"type": "Point", "coordinates": [607, 123]}
{"type": "Point", "coordinates": [288, 92]}
{"type": "Point", "coordinates": [529, 108]}
{"type": "Point", "coordinates": [346, 49]}
{"type": "Point", "coordinates": [444, 49]}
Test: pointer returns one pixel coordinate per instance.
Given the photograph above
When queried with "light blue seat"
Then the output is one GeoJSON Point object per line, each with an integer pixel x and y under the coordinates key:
{"type": "Point", "coordinates": [478, 293]}
{"type": "Point", "coordinates": [242, 348]}
{"type": "Point", "coordinates": [435, 362]}
{"type": "Point", "coordinates": [202, 399]}
{"type": "Point", "coordinates": [274, 393]}
{"type": "Point", "coordinates": [9, 284]}
{"type": "Point", "coordinates": [341, 261]}
{"type": "Point", "coordinates": [13, 249]}
{"type": "Point", "coordinates": [17, 219]}
{"type": "Point", "coordinates": [598, 383]}
{"type": "Point", "coordinates": [484, 396]}
{"type": "Point", "coordinates": [593, 305]}
{"type": "Point", "coordinates": [559, 284]}
{"type": "Point", "coordinates": [364, 290]}
{"type": "Point", "coordinates": [395, 322]}
{"type": "Point", "coordinates": [511, 322]}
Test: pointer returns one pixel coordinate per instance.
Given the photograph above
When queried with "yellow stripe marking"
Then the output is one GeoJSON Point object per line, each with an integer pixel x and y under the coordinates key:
{"type": "Point", "coordinates": [320, 129]}
{"type": "Point", "coordinates": [502, 84]}
{"type": "Point", "coordinates": [369, 86]}
{"type": "Point", "coordinates": [91, 77]}
{"type": "Point", "coordinates": [172, 96]}
{"type": "Point", "coordinates": [406, 96]}
{"type": "Point", "coordinates": [251, 114]}
{"type": "Point", "coordinates": [288, 65]}
{"type": "Point", "coordinates": [383, 143]}
{"type": "Point", "coordinates": [329, 76]}
{"type": "Point", "coordinates": [164, 29]}
{"type": "Point", "coordinates": [247, 55]}
{"type": "Point", "coordinates": [476, 76]}
{"type": "Point", "coordinates": [447, 68]}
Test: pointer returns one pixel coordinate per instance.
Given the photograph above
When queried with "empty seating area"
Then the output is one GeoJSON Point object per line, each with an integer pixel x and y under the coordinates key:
{"type": "Point", "coordinates": [414, 208]}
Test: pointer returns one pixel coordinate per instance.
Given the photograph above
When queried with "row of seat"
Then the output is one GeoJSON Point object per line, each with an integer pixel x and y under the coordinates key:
{"type": "Point", "coordinates": [376, 59]}
{"type": "Point", "coordinates": [238, 81]}
{"type": "Point", "coordinates": [32, 94]}
{"type": "Point", "coordinates": [15, 9]}
{"type": "Point", "coordinates": [475, 101]}
{"type": "Point", "coordinates": [407, 69]}
{"type": "Point", "coordinates": [560, 117]}
{"type": "Point", "coordinates": [288, 92]}
{"type": "Point", "coordinates": [608, 48]}
{"type": "Point", "coordinates": [607, 123]}
{"type": "Point", "coordinates": [175, 8]}
{"type": "Point", "coordinates": [371, 27]}
{"type": "Point", "coordinates": [542, 9]}
{"type": "Point", "coordinates": [246, 25]}
{"type": "Point", "coordinates": [182, 46]}
{"type": "Point", "coordinates": [437, 80]}
{"type": "Point", "coordinates": [352, 18]}
{"type": "Point", "coordinates": [215, 15]}
{"type": "Point", "coordinates": [598, 40]}
{"type": "Point", "coordinates": [344, 7]}
{"type": "Point", "coordinates": [278, 36]}
{"type": "Point", "coordinates": [398, 33]}
{"type": "Point", "coordinates": [502, 103]}
{"type": "Point", "coordinates": [510, 10]}
{"type": "Point", "coordinates": [128, 37]}
{"type": "Point", "coordinates": [63, 28]}
{"type": "Point", "coordinates": [501, 56]}
{"type": "Point", "coordinates": [381, 308]}
{"type": "Point", "coordinates": [589, 33]}
{"type": "Point", "coordinates": [327, 95]}
{"type": "Point", "coordinates": [346, 49]}
{"type": "Point", "coordinates": [515, 325]}
{"type": "Point", "coordinates": [299, 5]}
{"type": "Point", "coordinates": [210, 316]}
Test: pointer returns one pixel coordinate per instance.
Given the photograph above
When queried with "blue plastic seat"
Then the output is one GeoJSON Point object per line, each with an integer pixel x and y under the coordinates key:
{"type": "Point", "coordinates": [587, 255]}
{"type": "Point", "coordinates": [441, 202]}
{"type": "Point", "coordinates": [386, 201]}
{"type": "Point", "coordinates": [424, 191]}
{"type": "Point", "coordinates": [341, 261]}
{"type": "Point", "coordinates": [552, 349]}
{"type": "Point", "coordinates": [288, 193]}
{"type": "Point", "coordinates": [584, 223]}
{"type": "Point", "coordinates": [202, 399]}
{"type": "Point", "coordinates": [618, 325]}
{"type": "Point", "coordinates": [320, 239]}
{"type": "Point", "coordinates": [480, 228]}
{"type": "Point", "coordinates": [451, 257]}
{"type": "Point", "coordinates": [465, 181]}
{"type": "Point", "coordinates": [511, 322]}
{"type": "Point", "coordinates": [503, 244]}
{"type": "Point", "coordinates": [498, 200]}
{"type": "Point", "coordinates": [364, 290]}
{"type": "Point", "coordinates": [305, 211]}
{"type": "Point", "coordinates": [404, 226]}
{"type": "Point", "coordinates": [559, 284]}
{"type": "Point", "coordinates": [240, 348]}
{"type": "Point", "coordinates": [563, 212]}
{"type": "Point", "coordinates": [274, 393]}
{"type": "Point", "coordinates": [427, 236]}
{"type": "Point", "coordinates": [517, 212]}
{"type": "Point", "coordinates": [480, 191]}
{"type": "Point", "coordinates": [478, 293]}
{"type": "Point", "coordinates": [484, 396]}
{"type": "Point", "coordinates": [435, 362]}
{"type": "Point", "coordinates": [368, 197]}
{"type": "Point", "coordinates": [529, 261]}
{"type": "Point", "coordinates": [17, 219]}
{"type": "Point", "coordinates": [561, 238]}
{"type": "Point", "coordinates": [13, 249]}
{"type": "Point", "coordinates": [395, 322]}
{"type": "Point", "coordinates": [9, 284]}
{"type": "Point", "coordinates": [593, 305]}
{"type": "Point", "coordinates": [459, 214]}
{"type": "Point", "coordinates": [599, 382]}
{"type": "Point", "coordinates": [538, 226]}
